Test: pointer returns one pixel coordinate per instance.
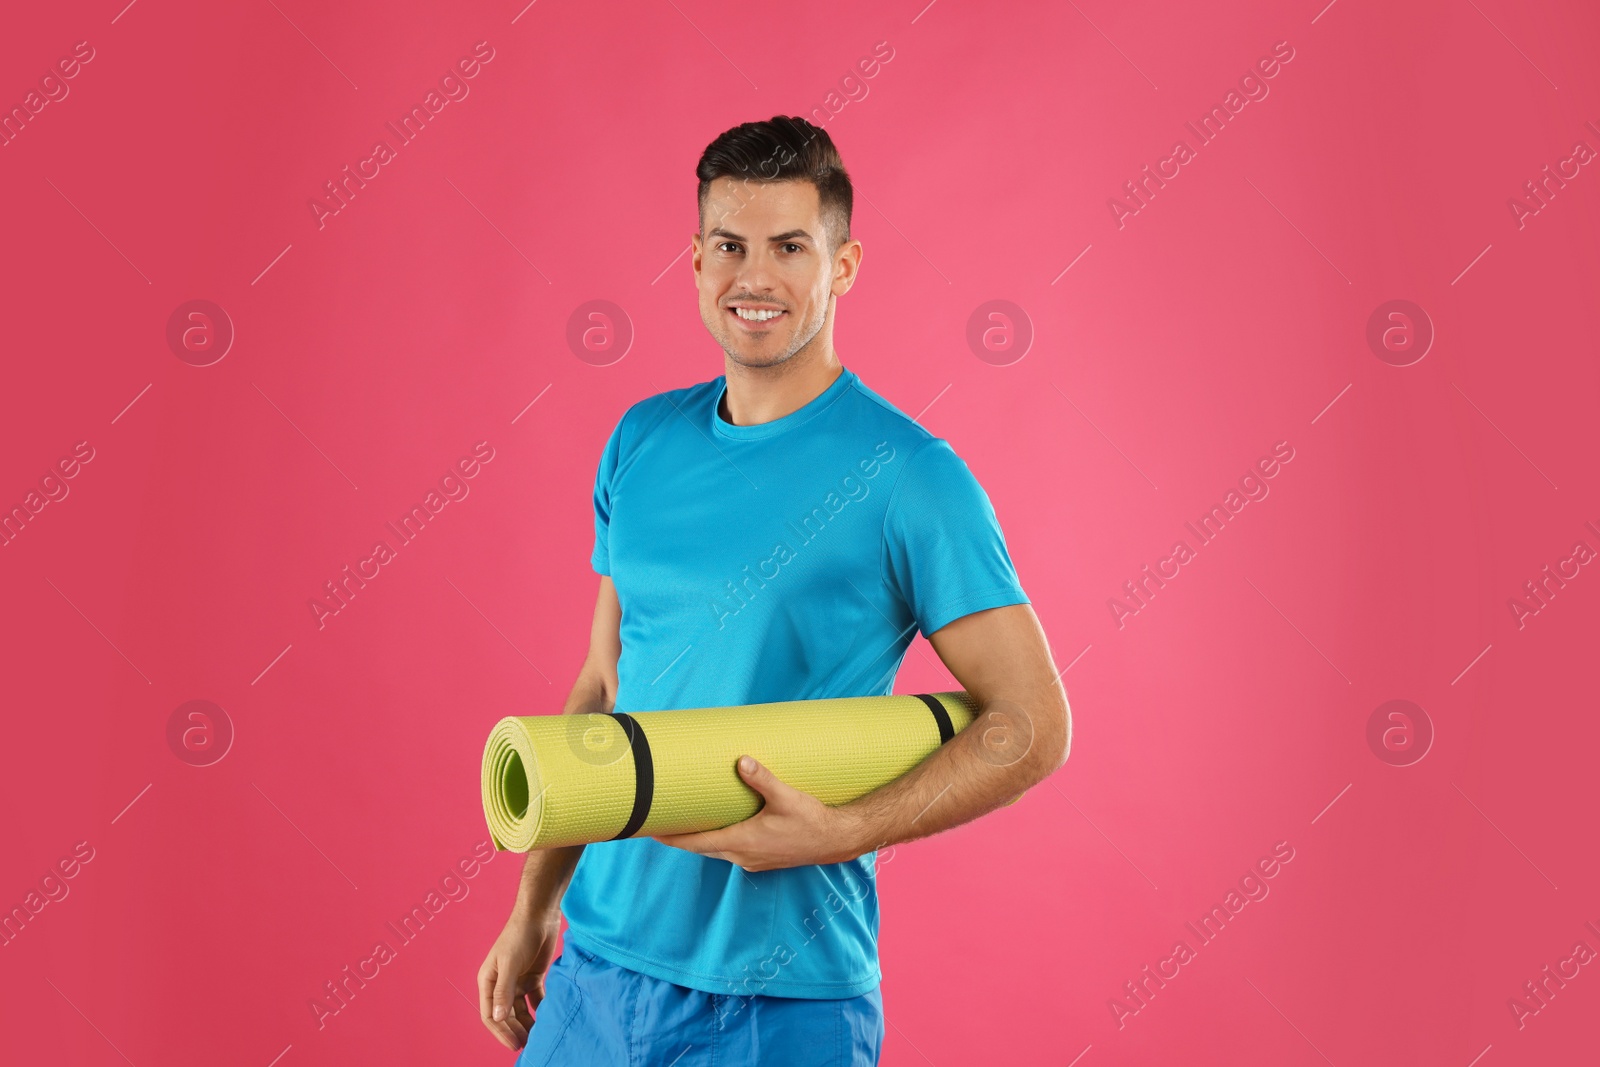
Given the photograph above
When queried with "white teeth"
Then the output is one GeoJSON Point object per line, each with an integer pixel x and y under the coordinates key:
{"type": "Point", "coordinates": [756, 316]}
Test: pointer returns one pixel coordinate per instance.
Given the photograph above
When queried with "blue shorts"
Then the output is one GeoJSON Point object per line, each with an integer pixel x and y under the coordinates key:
{"type": "Point", "coordinates": [597, 1014]}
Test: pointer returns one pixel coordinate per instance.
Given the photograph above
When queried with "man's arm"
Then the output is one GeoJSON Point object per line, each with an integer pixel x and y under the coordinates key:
{"type": "Point", "coordinates": [1021, 735]}
{"type": "Point", "coordinates": [516, 964]}
{"type": "Point", "coordinates": [546, 871]}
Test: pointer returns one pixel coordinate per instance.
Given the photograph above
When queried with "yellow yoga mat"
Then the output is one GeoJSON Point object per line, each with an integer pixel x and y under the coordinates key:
{"type": "Point", "coordinates": [552, 780]}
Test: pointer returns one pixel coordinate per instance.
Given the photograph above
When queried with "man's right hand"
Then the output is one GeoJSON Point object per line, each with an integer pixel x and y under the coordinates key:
{"type": "Point", "coordinates": [515, 967]}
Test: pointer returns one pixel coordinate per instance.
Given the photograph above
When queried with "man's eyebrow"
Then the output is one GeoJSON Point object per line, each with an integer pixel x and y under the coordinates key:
{"type": "Point", "coordinates": [788, 235]}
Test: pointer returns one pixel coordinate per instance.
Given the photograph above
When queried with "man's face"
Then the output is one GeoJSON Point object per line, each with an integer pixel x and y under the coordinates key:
{"type": "Point", "coordinates": [762, 247]}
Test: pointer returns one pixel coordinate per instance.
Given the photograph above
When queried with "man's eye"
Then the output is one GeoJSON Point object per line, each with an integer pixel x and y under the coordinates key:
{"type": "Point", "coordinates": [797, 248]}
{"type": "Point", "coordinates": [726, 244]}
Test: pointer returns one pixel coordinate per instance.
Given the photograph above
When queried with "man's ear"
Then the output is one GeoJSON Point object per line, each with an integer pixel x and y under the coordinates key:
{"type": "Point", "coordinates": [847, 267]}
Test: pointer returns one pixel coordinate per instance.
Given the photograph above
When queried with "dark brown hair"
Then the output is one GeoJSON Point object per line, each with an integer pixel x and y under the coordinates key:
{"type": "Point", "coordinates": [784, 148]}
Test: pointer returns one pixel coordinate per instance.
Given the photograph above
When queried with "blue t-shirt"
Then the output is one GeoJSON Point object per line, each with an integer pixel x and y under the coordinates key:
{"type": "Point", "coordinates": [790, 560]}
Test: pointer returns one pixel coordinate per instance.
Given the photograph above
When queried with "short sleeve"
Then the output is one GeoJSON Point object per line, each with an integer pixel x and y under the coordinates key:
{"type": "Point", "coordinates": [943, 551]}
{"type": "Point", "coordinates": [600, 558]}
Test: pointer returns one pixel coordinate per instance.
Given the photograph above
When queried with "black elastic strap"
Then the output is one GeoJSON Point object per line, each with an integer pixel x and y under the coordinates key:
{"type": "Point", "coordinates": [941, 716]}
{"type": "Point", "coordinates": [644, 771]}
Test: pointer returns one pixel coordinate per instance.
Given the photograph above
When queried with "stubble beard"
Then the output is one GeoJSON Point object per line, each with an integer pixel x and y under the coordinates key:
{"type": "Point", "coordinates": [799, 345]}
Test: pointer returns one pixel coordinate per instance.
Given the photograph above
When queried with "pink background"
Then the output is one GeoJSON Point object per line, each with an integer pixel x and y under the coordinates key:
{"type": "Point", "coordinates": [1229, 314]}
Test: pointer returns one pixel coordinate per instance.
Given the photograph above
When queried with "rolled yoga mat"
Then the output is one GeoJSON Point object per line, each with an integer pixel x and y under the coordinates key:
{"type": "Point", "coordinates": [552, 780]}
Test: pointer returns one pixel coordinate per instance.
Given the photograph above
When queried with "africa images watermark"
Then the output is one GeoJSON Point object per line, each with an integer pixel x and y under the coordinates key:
{"type": "Point", "coordinates": [1542, 190]}
{"type": "Point", "coordinates": [732, 599]}
{"type": "Point", "coordinates": [412, 523]}
{"type": "Point", "coordinates": [1253, 484]}
{"type": "Point", "coordinates": [53, 887]}
{"type": "Point", "coordinates": [856, 889]}
{"type": "Point", "coordinates": [854, 88]}
{"type": "Point", "coordinates": [1538, 592]}
{"type": "Point", "coordinates": [53, 89]}
{"type": "Point", "coordinates": [54, 487]}
{"type": "Point", "coordinates": [1538, 993]}
{"type": "Point", "coordinates": [452, 887]}
{"type": "Point", "coordinates": [453, 85]}
{"type": "Point", "coordinates": [1253, 84]}
{"type": "Point", "coordinates": [1252, 887]}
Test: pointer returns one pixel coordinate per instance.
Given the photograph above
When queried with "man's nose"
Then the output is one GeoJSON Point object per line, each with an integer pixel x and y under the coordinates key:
{"type": "Point", "coordinates": [756, 275]}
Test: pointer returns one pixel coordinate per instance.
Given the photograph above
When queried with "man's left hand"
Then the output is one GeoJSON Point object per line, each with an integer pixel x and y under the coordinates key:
{"type": "Point", "coordinates": [791, 829]}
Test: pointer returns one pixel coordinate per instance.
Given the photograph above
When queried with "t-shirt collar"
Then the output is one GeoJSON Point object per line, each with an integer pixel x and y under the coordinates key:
{"type": "Point", "coordinates": [800, 415]}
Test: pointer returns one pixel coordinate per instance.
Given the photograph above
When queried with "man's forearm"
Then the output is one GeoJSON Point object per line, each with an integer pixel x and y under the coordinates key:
{"type": "Point", "coordinates": [545, 875]}
{"type": "Point", "coordinates": [1003, 752]}
{"type": "Point", "coordinates": [546, 871]}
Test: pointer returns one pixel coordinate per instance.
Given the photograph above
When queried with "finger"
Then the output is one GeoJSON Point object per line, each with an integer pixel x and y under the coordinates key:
{"type": "Point", "coordinates": [486, 977]}
{"type": "Point", "coordinates": [520, 1022]}
{"type": "Point", "coordinates": [502, 1033]}
{"type": "Point", "coordinates": [517, 1031]}
{"type": "Point", "coordinates": [685, 841]}
{"type": "Point", "coordinates": [776, 794]}
{"type": "Point", "coordinates": [715, 843]}
{"type": "Point", "coordinates": [512, 1032]}
{"type": "Point", "coordinates": [502, 994]}
{"type": "Point", "coordinates": [774, 790]}
{"type": "Point", "coordinates": [486, 985]}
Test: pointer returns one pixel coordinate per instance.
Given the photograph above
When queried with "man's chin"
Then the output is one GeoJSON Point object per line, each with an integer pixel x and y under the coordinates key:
{"type": "Point", "coordinates": [757, 360]}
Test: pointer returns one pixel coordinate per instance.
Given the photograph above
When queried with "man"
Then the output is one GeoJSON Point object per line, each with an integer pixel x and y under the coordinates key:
{"type": "Point", "coordinates": [777, 533]}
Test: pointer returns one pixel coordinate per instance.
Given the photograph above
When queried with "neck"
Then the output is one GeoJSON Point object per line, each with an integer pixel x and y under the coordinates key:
{"type": "Point", "coordinates": [762, 394]}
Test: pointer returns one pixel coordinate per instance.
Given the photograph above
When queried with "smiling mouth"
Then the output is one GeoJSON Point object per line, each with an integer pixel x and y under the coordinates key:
{"type": "Point", "coordinates": [757, 319]}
